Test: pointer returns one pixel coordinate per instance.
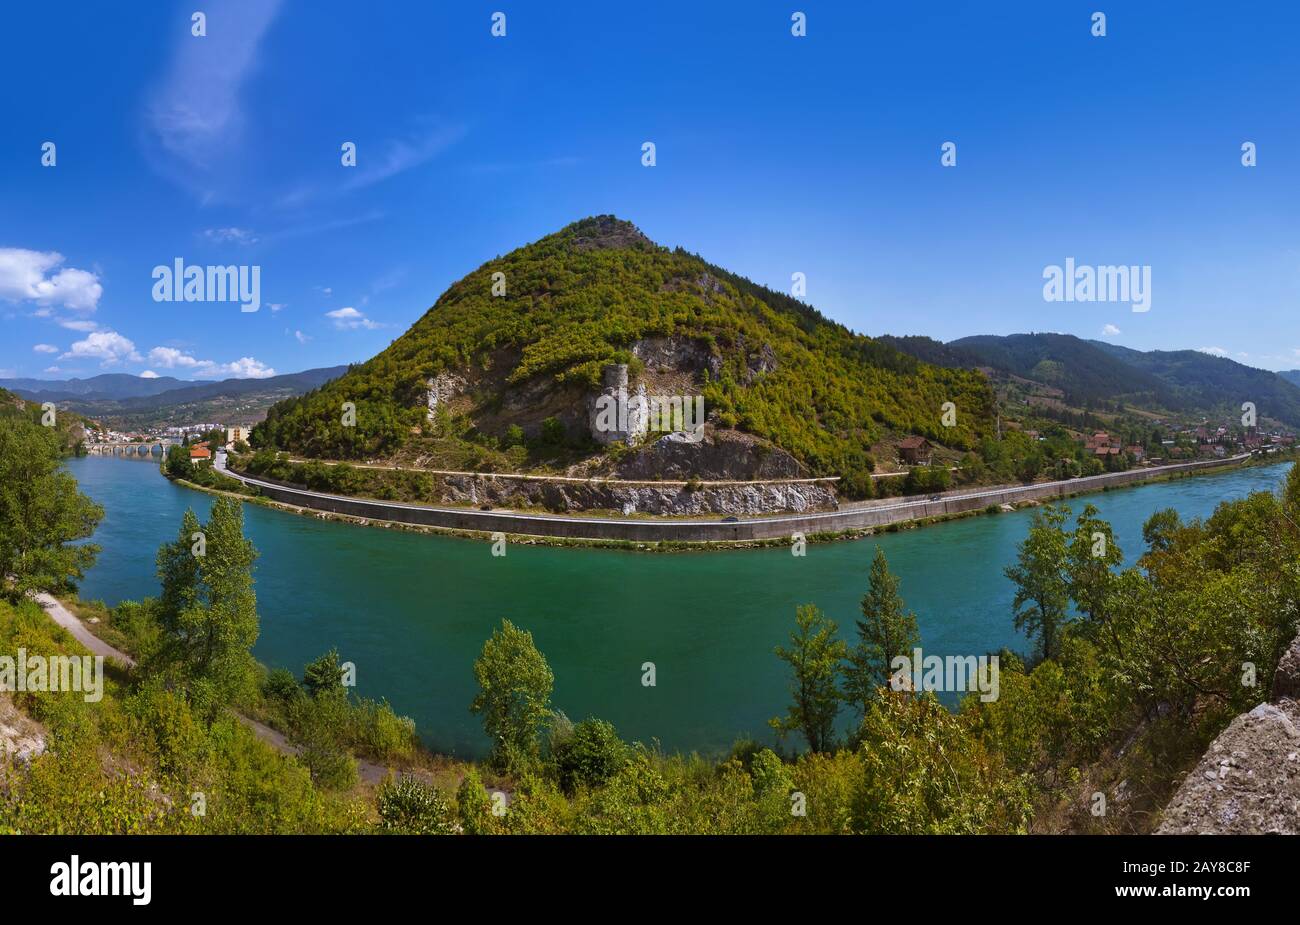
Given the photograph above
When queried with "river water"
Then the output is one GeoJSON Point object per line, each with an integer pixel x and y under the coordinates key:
{"type": "Point", "coordinates": [411, 611]}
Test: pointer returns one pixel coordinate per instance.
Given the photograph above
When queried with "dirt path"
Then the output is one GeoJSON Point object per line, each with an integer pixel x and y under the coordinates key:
{"type": "Point", "coordinates": [370, 772]}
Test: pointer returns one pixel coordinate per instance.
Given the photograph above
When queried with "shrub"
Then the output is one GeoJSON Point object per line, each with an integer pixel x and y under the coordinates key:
{"type": "Point", "coordinates": [474, 806]}
{"type": "Point", "coordinates": [591, 756]}
{"type": "Point", "coordinates": [411, 807]}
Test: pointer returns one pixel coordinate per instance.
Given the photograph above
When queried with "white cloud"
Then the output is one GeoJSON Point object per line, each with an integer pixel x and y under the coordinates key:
{"type": "Point", "coordinates": [53, 369]}
{"type": "Point", "coordinates": [1109, 331]}
{"type": "Point", "coordinates": [348, 318]}
{"type": "Point", "coordinates": [302, 338]}
{"type": "Point", "coordinates": [109, 347]}
{"type": "Point", "coordinates": [45, 348]}
{"type": "Point", "coordinates": [243, 368]}
{"type": "Point", "coordinates": [148, 374]}
{"type": "Point", "coordinates": [275, 306]}
{"type": "Point", "coordinates": [248, 368]}
{"type": "Point", "coordinates": [230, 235]}
{"type": "Point", "coordinates": [78, 324]}
{"type": "Point", "coordinates": [35, 276]}
{"type": "Point", "coordinates": [1213, 351]}
{"type": "Point", "coordinates": [171, 358]}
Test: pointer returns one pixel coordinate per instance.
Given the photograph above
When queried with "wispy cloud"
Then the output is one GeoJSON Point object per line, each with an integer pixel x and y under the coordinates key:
{"type": "Point", "coordinates": [230, 235]}
{"type": "Point", "coordinates": [398, 155]}
{"type": "Point", "coordinates": [194, 119]}
{"type": "Point", "coordinates": [1109, 331]}
{"type": "Point", "coordinates": [1213, 351]}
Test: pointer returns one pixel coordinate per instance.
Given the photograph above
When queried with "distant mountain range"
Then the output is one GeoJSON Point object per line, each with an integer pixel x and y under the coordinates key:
{"type": "Point", "coordinates": [1087, 371]}
{"type": "Point", "coordinates": [126, 402]}
{"type": "Point", "coordinates": [109, 386]}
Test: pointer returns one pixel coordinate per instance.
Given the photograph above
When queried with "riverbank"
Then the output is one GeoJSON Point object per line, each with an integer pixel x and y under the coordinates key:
{"type": "Point", "coordinates": [666, 535]}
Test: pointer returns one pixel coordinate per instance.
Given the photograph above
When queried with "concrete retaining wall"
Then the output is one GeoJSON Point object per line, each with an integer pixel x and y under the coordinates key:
{"type": "Point", "coordinates": [870, 514]}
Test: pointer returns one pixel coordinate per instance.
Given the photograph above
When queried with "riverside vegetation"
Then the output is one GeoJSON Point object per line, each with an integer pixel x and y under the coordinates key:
{"type": "Point", "coordinates": [1131, 673]}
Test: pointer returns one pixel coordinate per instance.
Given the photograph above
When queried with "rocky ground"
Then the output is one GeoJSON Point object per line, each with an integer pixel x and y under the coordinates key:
{"type": "Point", "coordinates": [1248, 782]}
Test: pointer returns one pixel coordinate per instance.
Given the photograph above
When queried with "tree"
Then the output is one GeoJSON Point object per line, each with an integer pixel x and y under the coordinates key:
{"type": "Point", "coordinates": [208, 607]}
{"type": "Point", "coordinates": [324, 676]}
{"type": "Point", "coordinates": [41, 512]}
{"type": "Point", "coordinates": [1158, 532]}
{"type": "Point", "coordinates": [1042, 593]}
{"type": "Point", "coordinates": [1092, 554]}
{"type": "Point", "coordinates": [885, 631]}
{"type": "Point", "coordinates": [515, 684]}
{"type": "Point", "coordinates": [814, 657]}
{"type": "Point", "coordinates": [178, 462]}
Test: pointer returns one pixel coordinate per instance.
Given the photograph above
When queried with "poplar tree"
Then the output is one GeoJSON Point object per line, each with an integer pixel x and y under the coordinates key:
{"type": "Point", "coordinates": [885, 632]}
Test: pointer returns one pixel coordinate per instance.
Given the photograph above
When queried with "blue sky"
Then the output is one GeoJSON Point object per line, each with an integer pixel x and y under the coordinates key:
{"type": "Point", "coordinates": [775, 155]}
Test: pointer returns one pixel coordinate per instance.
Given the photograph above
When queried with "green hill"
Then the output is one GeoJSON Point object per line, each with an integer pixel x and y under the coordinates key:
{"type": "Point", "coordinates": [1089, 371]}
{"type": "Point", "coordinates": [598, 292]}
{"type": "Point", "coordinates": [1200, 380]}
{"type": "Point", "coordinates": [1076, 367]}
{"type": "Point", "coordinates": [71, 427]}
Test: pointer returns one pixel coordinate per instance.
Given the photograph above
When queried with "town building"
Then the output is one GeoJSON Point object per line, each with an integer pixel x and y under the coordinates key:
{"type": "Point", "coordinates": [916, 451]}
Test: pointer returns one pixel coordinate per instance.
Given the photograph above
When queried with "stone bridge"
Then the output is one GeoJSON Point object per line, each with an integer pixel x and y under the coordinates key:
{"type": "Point", "coordinates": [151, 448]}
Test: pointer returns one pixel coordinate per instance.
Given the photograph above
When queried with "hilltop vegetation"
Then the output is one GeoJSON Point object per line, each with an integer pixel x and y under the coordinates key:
{"type": "Point", "coordinates": [586, 296]}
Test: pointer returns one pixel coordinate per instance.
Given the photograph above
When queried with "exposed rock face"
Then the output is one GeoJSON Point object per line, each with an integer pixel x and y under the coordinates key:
{"type": "Point", "coordinates": [664, 500]}
{"type": "Point", "coordinates": [721, 455]}
{"type": "Point", "coordinates": [1249, 780]}
{"type": "Point", "coordinates": [613, 415]}
{"type": "Point", "coordinates": [684, 354]}
{"type": "Point", "coordinates": [443, 387]}
{"type": "Point", "coordinates": [21, 737]}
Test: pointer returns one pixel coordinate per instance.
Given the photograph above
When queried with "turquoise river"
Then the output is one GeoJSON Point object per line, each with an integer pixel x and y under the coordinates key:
{"type": "Point", "coordinates": [411, 611]}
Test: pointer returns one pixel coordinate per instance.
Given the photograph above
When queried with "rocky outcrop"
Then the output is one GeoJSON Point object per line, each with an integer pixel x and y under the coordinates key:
{"type": "Point", "coordinates": [1249, 780]}
{"type": "Point", "coordinates": [683, 354]}
{"type": "Point", "coordinates": [21, 737]}
{"type": "Point", "coordinates": [614, 415]}
{"type": "Point", "coordinates": [442, 388]}
{"type": "Point", "coordinates": [668, 500]}
{"type": "Point", "coordinates": [721, 455]}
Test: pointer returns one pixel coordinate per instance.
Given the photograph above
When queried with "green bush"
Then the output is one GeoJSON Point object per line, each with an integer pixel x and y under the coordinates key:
{"type": "Point", "coordinates": [591, 756]}
{"type": "Point", "coordinates": [409, 806]}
